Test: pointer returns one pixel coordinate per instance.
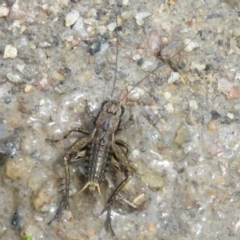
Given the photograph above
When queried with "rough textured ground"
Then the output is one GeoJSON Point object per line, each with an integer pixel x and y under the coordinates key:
{"type": "Point", "coordinates": [184, 145]}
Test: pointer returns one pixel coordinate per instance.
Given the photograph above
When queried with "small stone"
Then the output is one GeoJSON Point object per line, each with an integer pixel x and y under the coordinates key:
{"type": "Point", "coordinates": [213, 125]}
{"type": "Point", "coordinates": [174, 77]}
{"type": "Point", "coordinates": [7, 100]}
{"type": "Point", "coordinates": [111, 26]}
{"type": "Point", "coordinates": [142, 15]}
{"type": "Point", "coordinates": [190, 45]}
{"type": "Point", "coordinates": [4, 11]}
{"type": "Point", "coordinates": [149, 66]}
{"type": "Point", "coordinates": [10, 52]}
{"type": "Point", "coordinates": [71, 18]}
{"type": "Point", "coordinates": [182, 136]}
{"type": "Point", "coordinates": [40, 199]}
{"type": "Point", "coordinates": [19, 167]}
{"type": "Point", "coordinates": [198, 66]}
{"type": "Point", "coordinates": [169, 108]}
{"type": "Point", "coordinates": [135, 94]}
{"type": "Point", "coordinates": [14, 78]}
{"type": "Point", "coordinates": [125, 2]}
{"type": "Point", "coordinates": [79, 26]}
{"type": "Point", "coordinates": [140, 22]}
{"type": "Point", "coordinates": [193, 104]}
{"type": "Point", "coordinates": [230, 116]}
{"type": "Point", "coordinates": [228, 88]}
{"type": "Point", "coordinates": [154, 180]}
{"type": "Point", "coordinates": [28, 88]}
{"type": "Point", "coordinates": [167, 95]}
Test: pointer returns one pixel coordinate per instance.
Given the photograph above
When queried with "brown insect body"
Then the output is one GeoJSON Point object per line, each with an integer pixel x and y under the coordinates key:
{"type": "Point", "coordinates": [100, 146]}
{"type": "Point", "coordinates": [99, 150]}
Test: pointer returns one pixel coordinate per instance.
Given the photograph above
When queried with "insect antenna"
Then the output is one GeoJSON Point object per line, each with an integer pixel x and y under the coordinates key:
{"type": "Point", "coordinates": [116, 60]}
{"type": "Point", "coordinates": [142, 80]}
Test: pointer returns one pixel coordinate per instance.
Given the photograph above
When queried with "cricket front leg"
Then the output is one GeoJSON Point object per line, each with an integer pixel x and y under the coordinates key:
{"type": "Point", "coordinates": [78, 146]}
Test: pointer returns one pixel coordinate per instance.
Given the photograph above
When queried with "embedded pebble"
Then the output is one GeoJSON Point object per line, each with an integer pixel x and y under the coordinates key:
{"type": "Point", "coordinates": [193, 104]}
{"type": "Point", "coordinates": [10, 52]}
{"type": "Point", "coordinates": [127, 14]}
{"type": "Point", "coordinates": [167, 95]}
{"type": "Point", "coordinates": [111, 26]}
{"type": "Point", "coordinates": [28, 88]}
{"type": "Point", "coordinates": [228, 88]}
{"type": "Point", "coordinates": [213, 125]}
{"type": "Point", "coordinates": [14, 78]}
{"type": "Point", "coordinates": [4, 11]}
{"type": "Point", "coordinates": [71, 18]}
{"type": "Point", "coordinates": [154, 180]}
{"type": "Point", "coordinates": [80, 27]}
{"type": "Point", "coordinates": [182, 135]}
{"type": "Point", "coordinates": [173, 77]}
{"type": "Point", "coordinates": [135, 94]}
{"type": "Point", "coordinates": [169, 108]}
{"type": "Point", "coordinates": [140, 22]}
{"type": "Point", "coordinates": [7, 100]}
{"type": "Point", "coordinates": [230, 116]}
{"type": "Point", "coordinates": [42, 197]}
{"type": "Point", "coordinates": [19, 167]}
{"type": "Point", "coordinates": [149, 66]}
{"type": "Point", "coordinates": [190, 45]}
{"type": "Point", "coordinates": [154, 41]}
{"type": "Point", "coordinates": [125, 2]}
{"type": "Point", "coordinates": [142, 15]}
{"type": "Point", "coordinates": [197, 66]}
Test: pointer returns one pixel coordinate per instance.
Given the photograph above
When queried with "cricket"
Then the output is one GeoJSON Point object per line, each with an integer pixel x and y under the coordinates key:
{"type": "Point", "coordinates": [100, 145]}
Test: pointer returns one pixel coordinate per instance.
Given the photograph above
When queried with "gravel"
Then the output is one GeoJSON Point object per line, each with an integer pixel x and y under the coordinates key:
{"type": "Point", "coordinates": [183, 147]}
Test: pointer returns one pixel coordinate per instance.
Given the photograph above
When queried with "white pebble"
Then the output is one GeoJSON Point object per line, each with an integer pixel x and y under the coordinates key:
{"type": "Point", "coordinates": [20, 67]}
{"type": "Point", "coordinates": [71, 18]}
{"type": "Point", "coordinates": [136, 93]}
{"type": "Point", "coordinates": [14, 78]}
{"type": "Point", "coordinates": [198, 66]}
{"type": "Point", "coordinates": [174, 77]}
{"type": "Point", "coordinates": [149, 66]}
{"type": "Point", "coordinates": [127, 14]}
{"type": "Point", "coordinates": [140, 22]}
{"type": "Point", "coordinates": [42, 102]}
{"type": "Point", "coordinates": [167, 95]}
{"type": "Point", "coordinates": [142, 15]}
{"type": "Point", "coordinates": [237, 77]}
{"type": "Point", "coordinates": [10, 52]}
{"type": "Point", "coordinates": [80, 28]}
{"type": "Point", "coordinates": [230, 115]}
{"type": "Point", "coordinates": [136, 57]}
{"type": "Point", "coordinates": [4, 11]}
{"type": "Point", "coordinates": [111, 26]}
{"type": "Point", "coordinates": [125, 2]}
{"type": "Point", "coordinates": [135, 153]}
{"type": "Point", "coordinates": [169, 108]}
{"type": "Point", "coordinates": [190, 45]}
{"type": "Point", "coordinates": [193, 104]}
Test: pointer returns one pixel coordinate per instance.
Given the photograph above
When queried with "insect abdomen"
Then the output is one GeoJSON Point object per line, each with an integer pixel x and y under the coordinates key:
{"type": "Point", "coordinates": [97, 160]}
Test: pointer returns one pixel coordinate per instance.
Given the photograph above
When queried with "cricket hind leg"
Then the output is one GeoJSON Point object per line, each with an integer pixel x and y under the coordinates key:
{"type": "Point", "coordinates": [72, 151]}
{"type": "Point", "coordinates": [123, 166]}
